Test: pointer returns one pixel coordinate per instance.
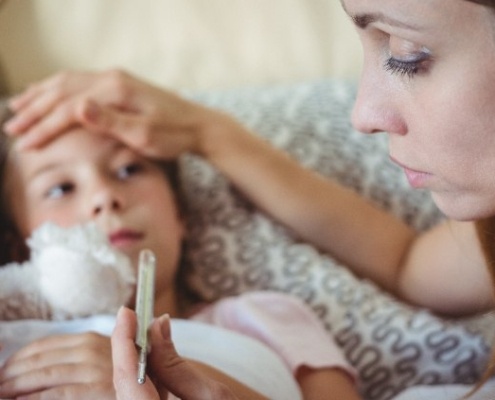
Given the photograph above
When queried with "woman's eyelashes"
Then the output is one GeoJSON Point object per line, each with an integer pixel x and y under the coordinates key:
{"type": "Point", "coordinates": [408, 66]}
{"type": "Point", "coordinates": [404, 68]}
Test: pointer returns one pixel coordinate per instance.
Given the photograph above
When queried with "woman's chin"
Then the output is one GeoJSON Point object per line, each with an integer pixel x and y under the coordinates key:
{"type": "Point", "coordinates": [461, 207]}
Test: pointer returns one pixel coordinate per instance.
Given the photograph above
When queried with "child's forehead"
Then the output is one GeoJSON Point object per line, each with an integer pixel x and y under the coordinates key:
{"type": "Point", "coordinates": [74, 145]}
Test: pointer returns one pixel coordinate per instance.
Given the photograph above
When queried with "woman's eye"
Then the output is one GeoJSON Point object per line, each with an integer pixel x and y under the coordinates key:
{"type": "Point", "coordinates": [404, 68]}
{"type": "Point", "coordinates": [410, 66]}
{"type": "Point", "coordinates": [129, 170]}
{"type": "Point", "coordinates": [59, 191]}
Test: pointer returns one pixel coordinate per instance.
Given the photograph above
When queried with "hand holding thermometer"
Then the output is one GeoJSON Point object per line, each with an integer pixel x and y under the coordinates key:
{"type": "Point", "coordinates": [144, 308]}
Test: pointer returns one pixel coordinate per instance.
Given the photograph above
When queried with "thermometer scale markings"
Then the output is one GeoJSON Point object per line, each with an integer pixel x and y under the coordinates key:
{"type": "Point", "coordinates": [144, 308]}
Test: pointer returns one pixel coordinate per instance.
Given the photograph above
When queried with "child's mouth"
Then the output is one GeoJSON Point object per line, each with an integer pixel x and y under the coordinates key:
{"type": "Point", "coordinates": [124, 238]}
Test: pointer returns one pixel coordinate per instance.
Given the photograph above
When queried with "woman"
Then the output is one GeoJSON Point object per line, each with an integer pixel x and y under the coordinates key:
{"type": "Point", "coordinates": [427, 82]}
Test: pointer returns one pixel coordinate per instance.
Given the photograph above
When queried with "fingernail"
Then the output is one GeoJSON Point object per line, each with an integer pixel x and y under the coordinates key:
{"type": "Point", "coordinates": [164, 317]}
{"type": "Point", "coordinates": [121, 311]}
{"type": "Point", "coordinates": [163, 320]}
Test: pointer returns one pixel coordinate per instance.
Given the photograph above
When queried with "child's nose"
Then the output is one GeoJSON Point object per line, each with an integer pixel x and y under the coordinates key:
{"type": "Point", "coordinates": [105, 200]}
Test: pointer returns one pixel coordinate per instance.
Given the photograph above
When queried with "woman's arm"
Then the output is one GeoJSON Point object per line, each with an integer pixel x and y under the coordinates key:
{"type": "Point", "coordinates": [425, 269]}
{"type": "Point", "coordinates": [442, 269]}
{"type": "Point", "coordinates": [327, 384]}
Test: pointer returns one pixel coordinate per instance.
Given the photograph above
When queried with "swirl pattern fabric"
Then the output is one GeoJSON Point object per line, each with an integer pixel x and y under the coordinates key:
{"type": "Point", "coordinates": [233, 247]}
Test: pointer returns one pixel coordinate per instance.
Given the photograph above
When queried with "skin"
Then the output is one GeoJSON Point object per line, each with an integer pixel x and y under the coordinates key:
{"type": "Point", "coordinates": [81, 177]}
{"type": "Point", "coordinates": [177, 374]}
{"type": "Point", "coordinates": [427, 83]}
{"type": "Point", "coordinates": [169, 370]}
{"type": "Point", "coordinates": [75, 179]}
{"type": "Point", "coordinates": [440, 120]}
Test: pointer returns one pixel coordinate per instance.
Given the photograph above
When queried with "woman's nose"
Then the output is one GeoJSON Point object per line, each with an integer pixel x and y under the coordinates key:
{"type": "Point", "coordinates": [377, 107]}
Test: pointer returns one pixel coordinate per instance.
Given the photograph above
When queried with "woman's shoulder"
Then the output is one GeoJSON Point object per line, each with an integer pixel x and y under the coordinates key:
{"type": "Point", "coordinates": [445, 271]}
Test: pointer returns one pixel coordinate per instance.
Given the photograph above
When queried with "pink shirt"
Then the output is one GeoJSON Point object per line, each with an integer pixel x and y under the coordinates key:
{"type": "Point", "coordinates": [282, 322]}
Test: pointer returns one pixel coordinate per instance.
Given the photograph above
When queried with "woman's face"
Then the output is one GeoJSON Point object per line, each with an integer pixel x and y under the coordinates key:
{"type": "Point", "coordinates": [429, 82]}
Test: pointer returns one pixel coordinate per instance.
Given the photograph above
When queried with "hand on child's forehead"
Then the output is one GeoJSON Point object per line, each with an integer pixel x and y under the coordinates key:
{"type": "Point", "coordinates": [75, 145]}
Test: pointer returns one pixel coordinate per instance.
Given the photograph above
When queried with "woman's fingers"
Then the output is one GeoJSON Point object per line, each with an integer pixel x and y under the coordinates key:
{"type": "Point", "coordinates": [157, 123]}
{"type": "Point", "coordinates": [61, 84]}
{"type": "Point", "coordinates": [124, 126]}
{"type": "Point", "coordinates": [147, 134]}
{"type": "Point", "coordinates": [42, 98]}
{"type": "Point", "coordinates": [50, 106]}
{"type": "Point", "coordinates": [50, 126]}
{"type": "Point", "coordinates": [125, 361]}
{"type": "Point", "coordinates": [38, 107]}
{"type": "Point", "coordinates": [170, 371]}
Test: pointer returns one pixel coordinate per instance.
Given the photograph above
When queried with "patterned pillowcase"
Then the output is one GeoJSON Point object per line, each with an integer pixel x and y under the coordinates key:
{"type": "Point", "coordinates": [233, 247]}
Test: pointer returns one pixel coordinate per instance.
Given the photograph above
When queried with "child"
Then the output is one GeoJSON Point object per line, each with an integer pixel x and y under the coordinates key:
{"type": "Point", "coordinates": [82, 177]}
{"type": "Point", "coordinates": [427, 83]}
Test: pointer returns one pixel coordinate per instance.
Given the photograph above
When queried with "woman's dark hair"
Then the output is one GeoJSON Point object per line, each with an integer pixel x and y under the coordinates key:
{"type": "Point", "coordinates": [488, 3]}
{"type": "Point", "coordinates": [485, 230]}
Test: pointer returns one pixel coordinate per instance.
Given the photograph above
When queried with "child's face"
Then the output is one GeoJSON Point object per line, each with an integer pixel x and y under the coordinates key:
{"type": "Point", "coordinates": [83, 177]}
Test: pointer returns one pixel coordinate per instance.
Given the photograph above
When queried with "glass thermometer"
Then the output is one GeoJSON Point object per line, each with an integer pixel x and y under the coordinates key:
{"type": "Point", "coordinates": [144, 308]}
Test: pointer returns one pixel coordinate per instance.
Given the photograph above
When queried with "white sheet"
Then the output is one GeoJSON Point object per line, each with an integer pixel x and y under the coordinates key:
{"type": "Point", "coordinates": [243, 358]}
{"type": "Point", "coordinates": [447, 392]}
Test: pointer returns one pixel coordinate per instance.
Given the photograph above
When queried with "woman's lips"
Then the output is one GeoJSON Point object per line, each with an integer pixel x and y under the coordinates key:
{"type": "Point", "coordinates": [124, 238]}
{"type": "Point", "coordinates": [417, 179]}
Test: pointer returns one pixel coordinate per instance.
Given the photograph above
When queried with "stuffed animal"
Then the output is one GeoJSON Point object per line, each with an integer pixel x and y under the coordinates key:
{"type": "Point", "coordinates": [73, 272]}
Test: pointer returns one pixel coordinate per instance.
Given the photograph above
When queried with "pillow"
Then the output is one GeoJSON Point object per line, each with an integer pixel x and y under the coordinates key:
{"type": "Point", "coordinates": [233, 247]}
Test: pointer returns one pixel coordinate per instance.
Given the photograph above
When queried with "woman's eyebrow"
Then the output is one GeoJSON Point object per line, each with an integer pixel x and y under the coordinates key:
{"type": "Point", "coordinates": [362, 20]}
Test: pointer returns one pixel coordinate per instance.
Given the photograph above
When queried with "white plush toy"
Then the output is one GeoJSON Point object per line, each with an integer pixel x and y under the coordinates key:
{"type": "Point", "coordinates": [73, 272]}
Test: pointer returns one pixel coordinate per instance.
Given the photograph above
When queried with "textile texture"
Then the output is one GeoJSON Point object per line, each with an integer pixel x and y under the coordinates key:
{"type": "Point", "coordinates": [233, 247]}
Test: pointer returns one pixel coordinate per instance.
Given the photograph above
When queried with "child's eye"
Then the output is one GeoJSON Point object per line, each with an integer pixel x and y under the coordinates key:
{"type": "Point", "coordinates": [60, 190]}
{"type": "Point", "coordinates": [129, 170]}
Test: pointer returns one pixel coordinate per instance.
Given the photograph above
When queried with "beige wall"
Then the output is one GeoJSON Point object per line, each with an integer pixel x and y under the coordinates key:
{"type": "Point", "coordinates": [180, 43]}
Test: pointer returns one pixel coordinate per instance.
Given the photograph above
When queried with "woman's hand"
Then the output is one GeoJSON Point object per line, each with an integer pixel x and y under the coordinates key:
{"type": "Point", "coordinates": [155, 122]}
{"type": "Point", "coordinates": [168, 372]}
{"type": "Point", "coordinates": [125, 361]}
{"type": "Point", "coordinates": [75, 367]}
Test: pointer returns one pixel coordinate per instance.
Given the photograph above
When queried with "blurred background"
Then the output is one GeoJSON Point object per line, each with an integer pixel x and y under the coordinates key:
{"type": "Point", "coordinates": [189, 44]}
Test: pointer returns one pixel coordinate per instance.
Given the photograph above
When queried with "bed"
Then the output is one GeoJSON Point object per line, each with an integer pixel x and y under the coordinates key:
{"type": "Point", "coordinates": [288, 70]}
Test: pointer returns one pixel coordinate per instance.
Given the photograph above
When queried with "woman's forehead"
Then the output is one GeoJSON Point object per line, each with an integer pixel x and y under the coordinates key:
{"type": "Point", "coordinates": [417, 13]}
{"type": "Point", "coordinates": [454, 24]}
